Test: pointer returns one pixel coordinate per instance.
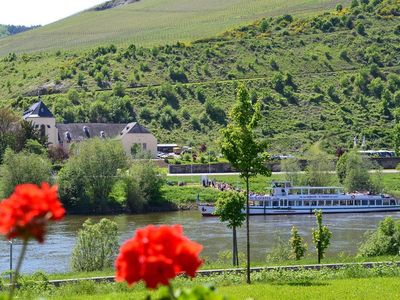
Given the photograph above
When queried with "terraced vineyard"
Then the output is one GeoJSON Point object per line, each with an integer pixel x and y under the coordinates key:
{"type": "Point", "coordinates": [155, 22]}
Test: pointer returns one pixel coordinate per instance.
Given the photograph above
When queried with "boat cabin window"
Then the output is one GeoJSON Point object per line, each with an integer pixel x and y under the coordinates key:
{"type": "Point", "coordinates": [392, 202]}
{"type": "Point", "coordinates": [365, 202]}
{"type": "Point", "coordinates": [371, 202]}
{"type": "Point", "coordinates": [335, 202]}
{"type": "Point", "coordinates": [378, 202]}
{"type": "Point", "coordinates": [314, 203]}
{"type": "Point", "coordinates": [295, 192]}
{"type": "Point", "coordinates": [386, 202]}
{"type": "Point", "coordinates": [350, 202]}
{"type": "Point", "coordinates": [275, 203]}
{"type": "Point", "coordinates": [299, 203]}
{"type": "Point", "coordinates": [357, 202]}
{"type": "Point", "coordinates": [328, 202]}
{"type": "Point", "coordinates": [321, 203]}
{"type": "Point", "coordinates": [291, 203]}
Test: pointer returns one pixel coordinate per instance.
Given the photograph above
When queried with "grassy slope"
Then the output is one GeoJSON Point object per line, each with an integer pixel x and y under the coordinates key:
{"type": "Point", "coordinates": [214, 66]}
{"type": "Point", "coordinates": [154, 22]}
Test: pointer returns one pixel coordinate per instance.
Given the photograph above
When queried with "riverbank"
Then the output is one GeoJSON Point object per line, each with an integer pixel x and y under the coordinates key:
{"type": "Point", "coordinates": [182, 190]}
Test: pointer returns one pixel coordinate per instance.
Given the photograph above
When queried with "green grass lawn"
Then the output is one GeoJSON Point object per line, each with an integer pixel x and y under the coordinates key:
{"type": "Point", "coordinates": [355, 288]}
{"type": "Point", "coordinates": [155, 22]}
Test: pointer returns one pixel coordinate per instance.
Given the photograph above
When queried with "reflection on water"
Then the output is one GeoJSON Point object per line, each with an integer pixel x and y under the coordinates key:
{"type": "Point", "coordinates": [55, 254]}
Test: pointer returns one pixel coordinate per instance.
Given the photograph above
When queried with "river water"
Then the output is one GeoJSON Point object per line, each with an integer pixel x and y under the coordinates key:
{"type": "Point", "coordinates": [54, 255]}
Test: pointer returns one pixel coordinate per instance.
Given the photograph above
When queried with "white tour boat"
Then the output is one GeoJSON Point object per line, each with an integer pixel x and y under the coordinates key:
{"type": "Point", "coordinates": [286, 199]}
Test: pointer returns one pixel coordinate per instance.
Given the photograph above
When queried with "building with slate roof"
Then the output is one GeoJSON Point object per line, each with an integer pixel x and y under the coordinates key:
{"type": "Point", "coordinates": [66, 134]}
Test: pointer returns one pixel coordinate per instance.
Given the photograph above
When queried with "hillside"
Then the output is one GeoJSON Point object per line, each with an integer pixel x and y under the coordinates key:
{"type": "Point", "coordinates": [320, 78]}
{"type": "Point", "coordinates": [7, 30]}
{"type": "Point", "coordinates": [154, 22]}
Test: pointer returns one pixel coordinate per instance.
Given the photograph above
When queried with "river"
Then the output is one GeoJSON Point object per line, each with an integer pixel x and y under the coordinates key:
{"type": "Point", "coordinates": [54, 255]}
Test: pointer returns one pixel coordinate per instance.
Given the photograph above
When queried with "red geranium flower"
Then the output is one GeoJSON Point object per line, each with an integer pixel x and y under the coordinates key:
{"type": "Point", "coordinates": [26, 212]}
{"type": "Point", "coordinates": [156, 255]}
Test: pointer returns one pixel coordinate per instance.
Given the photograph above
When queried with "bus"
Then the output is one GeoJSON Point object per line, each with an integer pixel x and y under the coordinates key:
{"type": "Point", "coordinates": [378, 153]}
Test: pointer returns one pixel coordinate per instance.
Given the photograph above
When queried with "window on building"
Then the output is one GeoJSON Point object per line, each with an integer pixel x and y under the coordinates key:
{"type": "Point", "coordinates": [42, 131]}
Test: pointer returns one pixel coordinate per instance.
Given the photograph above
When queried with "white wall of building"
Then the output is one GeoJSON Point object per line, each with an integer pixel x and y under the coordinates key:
{"type": "Point", "coordinates": [146, 140]}
{"type": "Point", "coordinates": [50, 128]}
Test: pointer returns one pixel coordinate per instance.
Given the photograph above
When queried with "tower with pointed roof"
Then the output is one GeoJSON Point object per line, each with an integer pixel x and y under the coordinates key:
{"type": "Point", "coordinates": [42, 118]}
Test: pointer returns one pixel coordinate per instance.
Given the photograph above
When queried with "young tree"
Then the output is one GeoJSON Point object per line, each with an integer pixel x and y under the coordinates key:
{"type": "Point", "coordinates": [229, 208]}
{"type": "Point", "coordinates": [297, 244]}
{"type": "Point", "coordinates": [243, 150]}
{"type": "Point", "coordinates": [321, 236]}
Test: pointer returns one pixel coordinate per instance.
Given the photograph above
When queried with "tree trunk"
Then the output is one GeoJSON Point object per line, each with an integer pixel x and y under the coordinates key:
{"type": "Point", "coordinates": [319, 252]}
{"type": "Point", "coordinates": [236, 263]}
{"type": "Point", "coordinates": [234, 245]}
{"type": "Point", "coordinates": [247, 230]}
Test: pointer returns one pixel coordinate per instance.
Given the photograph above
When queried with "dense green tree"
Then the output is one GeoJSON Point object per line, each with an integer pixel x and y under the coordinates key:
{"type": "Point", "coordinates": [8, 119]}
{"type": "Point", "coordinates": [91, 173]}
{"type": "Point", "coordinates": [229, 207]}
{"type": "Point", "coordinates": [23, 167]}
{"type": "Point", "coordinates": [396, 138]}
{"type": "Point", "coordinates": [321, 236]}
{"type": "Point", "coordinates": [319, 167]}
{"type": "Point", "coordinates": [241, 146]}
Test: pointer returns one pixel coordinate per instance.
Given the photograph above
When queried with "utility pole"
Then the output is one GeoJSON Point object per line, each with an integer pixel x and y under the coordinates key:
{"type": "Point", "coordinates": [11, 259]}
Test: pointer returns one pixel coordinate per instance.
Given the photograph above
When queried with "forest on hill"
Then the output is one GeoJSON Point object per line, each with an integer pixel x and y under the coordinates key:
{"type": "Point", "coordinates": [326, 78]}
{"type": "Point", "coordinates": [7, 30]}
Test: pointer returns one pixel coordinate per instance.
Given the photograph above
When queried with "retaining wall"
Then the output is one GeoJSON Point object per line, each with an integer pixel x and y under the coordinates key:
{"type": "Point", "coordinates": [385, 163]}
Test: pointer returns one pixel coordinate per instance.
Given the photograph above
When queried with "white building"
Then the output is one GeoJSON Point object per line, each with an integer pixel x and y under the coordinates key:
{"type": "Point", "coordinates": [65, 134]}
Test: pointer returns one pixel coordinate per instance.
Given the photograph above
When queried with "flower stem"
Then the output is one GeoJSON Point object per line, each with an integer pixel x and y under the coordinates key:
{"type": "Point", "coordinates": [19, 264]}
{"type": "Point", "coordinates": [171, 292]}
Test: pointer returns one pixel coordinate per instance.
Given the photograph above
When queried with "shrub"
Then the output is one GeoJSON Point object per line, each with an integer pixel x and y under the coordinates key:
{"type": "Point", "coordinates": [280, 252]}
{"type": "Point", "coordinates": [264, 25]}
{"type": "Point", "coordinates": [385, 240]}
{"type": "Point", "coordinates": [215, 112]}
{"type": "Point", "coordinates": [360, 29]}
{"type": "Point", "coordinates": [23, 167]}
{"type": "Point", "coordinates": [119, 89]}
{"type": "Point", "coordinates": [178, 75]}
{"type": "Point", "coordinates": [96, 247]}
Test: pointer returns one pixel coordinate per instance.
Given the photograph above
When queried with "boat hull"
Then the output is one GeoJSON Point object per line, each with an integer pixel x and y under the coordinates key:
{"type": "Point", "coordinates": [208, 210]}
